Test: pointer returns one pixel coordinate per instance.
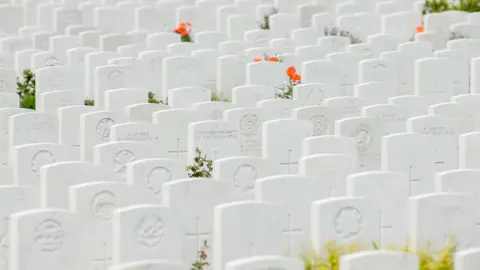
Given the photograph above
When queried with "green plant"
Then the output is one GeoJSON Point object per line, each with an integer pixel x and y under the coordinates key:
{"type": "Point", "coordinates": [436, 6]}
{"type": "Point", "coordinates": [89, 102]}
{"type": "Point", "coordinates": [335, 31]}
{"type": "Point", "coordinates": [201, 261]}
{"type": "Point", "coordinates": [26, 89]}
{"type": "Point", "coordinates": [265, 25]}
{"type": "Point", "coordinates": [152, 99]}
{"type": "Point", "coordinates": [215, 97]}
{"type": "Point", "coordinates": [455, 35]}
{"type": "Point", "coordinates": [202, 166]}
{"type": "Point", "coordinates": [428, 260]}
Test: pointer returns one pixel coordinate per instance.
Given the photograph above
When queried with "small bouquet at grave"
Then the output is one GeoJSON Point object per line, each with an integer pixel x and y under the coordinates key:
{"type": "Point", "coordinates": [184, 29]}
{"type": "Point", "coordinates": [266, 57]}
{"type": "Point", "coordinates": [285, 91]}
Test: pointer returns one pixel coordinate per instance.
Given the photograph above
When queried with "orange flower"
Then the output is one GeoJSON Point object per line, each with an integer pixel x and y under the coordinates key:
{"type": "Point", "coordinates": [272, 59]}
{"type": "Point", "coordinates": [184, 33]}
{"type": "Point", "coordinates": [420, 29]}
{"type": "Point", "coordinates": [257, 59]}
{"type": "Point", "coordinates": [291, 71]}
{"type": "Point", "coordinates": [296, 77]}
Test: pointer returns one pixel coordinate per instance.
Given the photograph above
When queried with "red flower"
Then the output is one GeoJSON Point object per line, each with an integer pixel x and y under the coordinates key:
{"type": "Point", "coordinates": [291, 71]}
{"type": "Point", "coordinates": [420, 29]}
{"type": "Point", "coordinates": [296, 77]}
{"type": "Point", "coordinates": [257, 59]}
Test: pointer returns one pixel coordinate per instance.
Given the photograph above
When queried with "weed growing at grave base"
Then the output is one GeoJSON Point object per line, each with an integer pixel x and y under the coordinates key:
{"type": "Point", "coordinates": [152, 99]}
{"type": "Point", "coordinates": [265, 25]}
{"type": "Point", "coordinates": [26, 89]}
{"type": "Point", "coordinates": [202, 166]}
{"type": "Point", "coordinates": [436, 6]}
{"type": "Point", "coordinates": [201, 261]}
{"type": "Point", "coordinates": [89, 102]}
{"type": "Point", "coordinates": [215, 97]}
{"type": "Point", "coordinates": [285, 91]}
{"type": "Point", "coordinates": [335, 31]}
{"type": "Point", "coordinates": [266, 57]}
{"type": "Point", "coordinates": [428, 259]}
{"type": "Point", "coordinates": [184, 29]}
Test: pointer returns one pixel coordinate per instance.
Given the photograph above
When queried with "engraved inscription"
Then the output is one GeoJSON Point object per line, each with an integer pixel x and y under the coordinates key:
{"type": "Point", "coordinates": [116, 79]}
{"type": "Point", "coordinates": [364, 137]}
{"type": "Point", "coordinates": [102, 205]}
{"type": "Point", "coordinates": [348, 223]}
{"type": "Point", "coordinates": [438, 131]}
{"type": "Point", "coordinates": [49, 235]}
{"type": "Point", "coordinates": [156, 178]}
{"type": "Point", "coordinates": [150, 231]}
{"type": "Point", "coordinates": [244, 178]}
{"type": "Point", "coordinates": [121, 159]}
{"type": "Point", "coordinates": [42, 157]}
{"type": "Point", "coordinates": [249, 125]}
{"type": "Point", "coordinates": [103, 129]}
{"type": "Point", "coordinates": [320, 124]}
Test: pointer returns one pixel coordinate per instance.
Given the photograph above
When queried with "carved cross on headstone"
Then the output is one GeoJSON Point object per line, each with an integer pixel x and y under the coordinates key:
{"type": "Point", "coordinates": [289, 233]}
{"type": "Point", "coordinates": [198, 235]}
{"type": "Point", "coordinates": [177, 151]}
{"type": "Point", "coordinates": [290, 162]}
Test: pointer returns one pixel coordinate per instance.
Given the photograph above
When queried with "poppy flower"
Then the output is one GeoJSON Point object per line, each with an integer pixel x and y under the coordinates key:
{"type": "Point", "coordinates": [291, 71]}
{"type": "Point", "coordinates": [296, 77]}
{"type": "Point", "coordinates": [420, 29]}
{"type": "Point", "coordinates": [257, 59]}
{"type": "Point", "coordinates": [272, 59]}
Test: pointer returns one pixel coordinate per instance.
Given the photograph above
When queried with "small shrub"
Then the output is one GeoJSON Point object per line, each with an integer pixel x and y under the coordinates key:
{"type": "Point", "coordinates": [285, 91]}
{"type": "Point", "coordinates": [335, 31]}
{"type": "Point", "coordinates": [215, 97]}
{"type": "Point", "coordinates": [202, 166]}
{"type": "Point", "coordinates": [152, 99]}
{"type": "Point", "coordinates": [437, 6]}
{"type": "Point", "coordinates": [201, 261]}
{"type": "Point", "coordinates": [184, 29]}
{"type": "Point", "coordinates": [428, 259]}
{"type": "Point", "coordinates": [89, 102]}
{"type": "Point", "coordinates": [265, 25]}
{"type": "Point", "coordinates": [266, 57]}
{"type": "Point", "coordinates": [26, 89]}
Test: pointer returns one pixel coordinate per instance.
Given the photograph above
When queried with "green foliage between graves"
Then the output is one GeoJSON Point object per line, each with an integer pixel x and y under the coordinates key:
{"type": "Point", "coordinates": [201, 261]}
{"type": "Point", "coordinates": [436, 6]}
{"type": "Point", "coordinates": [89, 102]}
{"type": "Point", "coordinates": [335, 31]}
{"type": "Point", "coordinates": [428, 259]}
{"type": "Point", "coordinates": [265, 25]}
{"type": "Point", "coordinates": [152, 99]}
{"type": "Point", "coordinates": [26, 89]}
{"type": "Point", "coordinates": [202, 167]}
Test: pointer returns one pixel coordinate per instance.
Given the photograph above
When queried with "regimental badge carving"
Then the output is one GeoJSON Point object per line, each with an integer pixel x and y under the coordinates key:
{"type": "Point", "coordinates": [116, 79]}
{"type": "Point", "coordinates": [156, 178]}
{"type": "Point", "coordinates": [316, 95]}
{"type": "Point", "coordinates": [348, 223]}
{"type": "Point", "coordinates": [49, 235]}
{"type": "Point", "coordinates": [320, 124]}
{"type": "Point", "coordinates": [150, 231]}
{"type": "Point", "coordinates": [103, 129]}
{"type": "Point", "coordinates": [249, 125]}
{"type": "Point", "coordinates": [51, 62]}
{"type": "Point", "coordinates": [103, 204]}
{"type": "Point", "coordinates": [244, 178]}
{"type": "Point", "coordinates": [4, 244]}
{"type": "Point", "coordinates": [121, 159]}
{"type": "Point", "coordinates": [364, 137]}
{"type": "Point", "coordinates": [42, 157]}
{"type": "Point", "coordinates": [378, 72]}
